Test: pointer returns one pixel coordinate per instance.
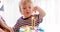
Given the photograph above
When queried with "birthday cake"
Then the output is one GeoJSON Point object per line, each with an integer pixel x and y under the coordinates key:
{"type": "Point", "coordinates": [30, 29]}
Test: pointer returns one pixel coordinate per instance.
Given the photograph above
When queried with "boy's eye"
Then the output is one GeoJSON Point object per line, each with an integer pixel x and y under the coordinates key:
{"type": "Point", "coordinates": [24, 8]}
{"type": "Point", "coordinates": [29, 7]}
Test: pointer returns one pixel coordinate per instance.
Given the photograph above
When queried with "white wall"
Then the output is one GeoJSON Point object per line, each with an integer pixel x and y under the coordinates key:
{"type": "Point", "coordinates": [50, 22]}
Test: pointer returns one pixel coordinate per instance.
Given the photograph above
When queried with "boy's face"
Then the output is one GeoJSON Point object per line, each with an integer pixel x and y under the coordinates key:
{"type": "Point", "coordinates": [26, 9]}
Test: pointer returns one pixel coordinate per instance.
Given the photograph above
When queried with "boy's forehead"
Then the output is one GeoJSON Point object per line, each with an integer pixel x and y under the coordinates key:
{"type": "Point", "coordinates": [26, 4]}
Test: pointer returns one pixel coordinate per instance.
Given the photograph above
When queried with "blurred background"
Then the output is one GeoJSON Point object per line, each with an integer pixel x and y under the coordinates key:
{"type": "Point", "coordinates": [51, 22]}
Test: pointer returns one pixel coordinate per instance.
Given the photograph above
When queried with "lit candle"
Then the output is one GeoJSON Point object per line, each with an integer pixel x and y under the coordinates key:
{"type": "Point", "coordinates": [34, 18]}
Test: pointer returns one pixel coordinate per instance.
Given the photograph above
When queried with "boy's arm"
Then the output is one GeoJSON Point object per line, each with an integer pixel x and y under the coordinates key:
{"type": "Point", "coordinates": [41, 13]}
{"type": "Point", "coordinates": [16, 27]}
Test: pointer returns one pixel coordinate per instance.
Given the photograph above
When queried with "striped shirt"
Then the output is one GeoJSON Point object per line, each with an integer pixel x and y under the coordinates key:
{"type": "Point", "coordinates": [26, 21]}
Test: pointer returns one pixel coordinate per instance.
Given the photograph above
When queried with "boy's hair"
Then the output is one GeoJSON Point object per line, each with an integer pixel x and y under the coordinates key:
{"type": "Point", "coordinates": [22, 2]}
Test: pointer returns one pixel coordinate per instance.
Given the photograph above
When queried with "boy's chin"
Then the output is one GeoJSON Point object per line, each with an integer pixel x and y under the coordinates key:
{"type": "Point", "coordinates": [27, 15]}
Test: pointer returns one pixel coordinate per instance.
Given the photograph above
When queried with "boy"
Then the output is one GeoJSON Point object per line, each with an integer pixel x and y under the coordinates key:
{"type": "Point", "coordinates": [26, 10]}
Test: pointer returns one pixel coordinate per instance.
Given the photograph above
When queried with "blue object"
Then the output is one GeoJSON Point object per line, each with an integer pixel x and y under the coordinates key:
{"type": "Point", "coordinates": [40, 29]}
{"type": "Point", "coordinates": [21, 31]}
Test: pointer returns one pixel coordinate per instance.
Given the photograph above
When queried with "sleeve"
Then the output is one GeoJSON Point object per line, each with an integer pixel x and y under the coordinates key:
{"type": "Point", "coordinates": [16, 26]}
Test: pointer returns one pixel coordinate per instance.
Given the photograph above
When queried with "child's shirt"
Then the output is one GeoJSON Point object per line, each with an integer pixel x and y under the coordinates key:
{"type": "Point", "coordinates": [26, 21]}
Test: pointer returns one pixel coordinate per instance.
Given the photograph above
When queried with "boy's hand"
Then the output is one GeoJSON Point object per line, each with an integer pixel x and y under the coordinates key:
{"type": "Point", "coordinates": [36, 8]}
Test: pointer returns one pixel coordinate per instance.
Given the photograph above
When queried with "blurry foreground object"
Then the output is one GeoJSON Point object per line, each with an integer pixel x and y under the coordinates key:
{"type": "Point", "coordinates": [4, 27]}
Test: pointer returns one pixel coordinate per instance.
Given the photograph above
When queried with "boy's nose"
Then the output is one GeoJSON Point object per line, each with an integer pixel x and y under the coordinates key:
{"type": "Point", "coordinates": [27, 9]}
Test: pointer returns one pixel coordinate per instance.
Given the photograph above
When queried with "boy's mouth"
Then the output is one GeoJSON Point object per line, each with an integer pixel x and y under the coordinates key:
{"type": "Point", "coordinates": [27, 12]}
